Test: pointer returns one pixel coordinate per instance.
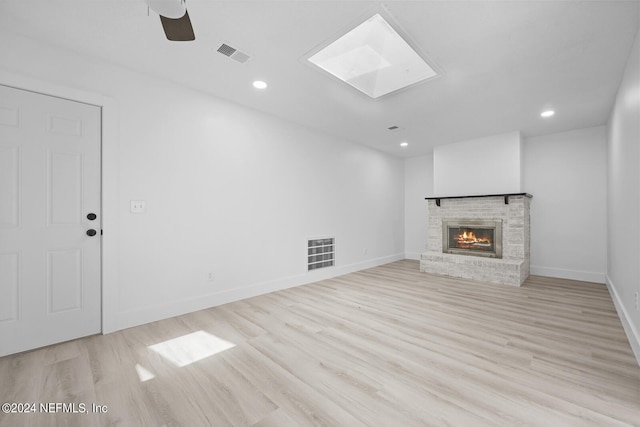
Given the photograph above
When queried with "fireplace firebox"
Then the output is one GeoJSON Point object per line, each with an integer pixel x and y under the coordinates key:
{"type": "Point", "coordinates": [476, 237]}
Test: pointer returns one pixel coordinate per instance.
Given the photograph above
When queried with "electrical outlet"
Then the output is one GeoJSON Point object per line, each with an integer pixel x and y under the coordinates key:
{"type": "Point", "coordinates": [364, 252]}
{"type": "Point", "coordinates": [138, 206]}
{"type": "Point", "coordinates": [211, 276]}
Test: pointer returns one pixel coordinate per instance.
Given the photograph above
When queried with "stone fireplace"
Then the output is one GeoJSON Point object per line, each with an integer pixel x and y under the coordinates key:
{"type": "Point", "coordinates": [483, 238]}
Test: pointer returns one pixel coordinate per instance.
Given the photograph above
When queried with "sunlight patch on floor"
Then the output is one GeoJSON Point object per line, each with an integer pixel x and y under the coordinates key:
{"type": "Point", "coordinates": [190, 348]}
{"type": "Point", "coordinates": [143, 373]}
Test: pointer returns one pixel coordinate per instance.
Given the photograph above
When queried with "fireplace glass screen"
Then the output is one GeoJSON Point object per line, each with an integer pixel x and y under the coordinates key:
{"type": "Point", "coordinates": [472, 238]}
{"type": "Point", "coordinates": [469, 237]}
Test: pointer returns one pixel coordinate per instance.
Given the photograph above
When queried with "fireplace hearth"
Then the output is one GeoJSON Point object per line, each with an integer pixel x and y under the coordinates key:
{"type": "Point", "coordinates": [472, 237]}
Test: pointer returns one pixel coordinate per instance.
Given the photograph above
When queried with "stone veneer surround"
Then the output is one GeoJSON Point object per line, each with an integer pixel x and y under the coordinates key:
{"type": "Point", "coordinates": [511, 269]}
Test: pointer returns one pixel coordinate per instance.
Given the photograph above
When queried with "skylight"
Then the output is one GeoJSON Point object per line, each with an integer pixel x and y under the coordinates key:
{"type": "Point", "coordinates": [374, 59]}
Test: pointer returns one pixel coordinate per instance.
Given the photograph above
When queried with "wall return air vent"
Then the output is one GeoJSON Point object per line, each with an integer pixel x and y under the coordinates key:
{"type": "Point", "coordinates": [320, 253]}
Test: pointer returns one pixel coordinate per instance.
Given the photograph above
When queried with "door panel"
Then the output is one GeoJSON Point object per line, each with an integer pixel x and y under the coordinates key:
{"type": "Point", "coordinates": [64, 280]}
{"type": "Point", "coordinates": [65, 125]}
{"type": "Point", "coordinates": [9, 172]}
{"type": "Point", "coordinates": [49, 181]}
{"type": "Point", "coordinates": [9, 287]}
{"type": "Point", "coordinates": [65, 188]}
{"type": "Point", "coordinates": [9, 116]}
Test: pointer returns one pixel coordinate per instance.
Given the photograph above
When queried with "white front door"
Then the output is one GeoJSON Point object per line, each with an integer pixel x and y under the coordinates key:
{"type": "Point", "coordinates": [49, 192]}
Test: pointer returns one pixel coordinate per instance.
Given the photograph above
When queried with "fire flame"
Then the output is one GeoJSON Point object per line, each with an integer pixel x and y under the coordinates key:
{"type": "Point", "coordinates": [467, 237]}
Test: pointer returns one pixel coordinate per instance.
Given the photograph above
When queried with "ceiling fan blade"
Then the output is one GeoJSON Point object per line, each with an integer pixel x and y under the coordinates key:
{"type": "Point", "coordinates": [178, 30]}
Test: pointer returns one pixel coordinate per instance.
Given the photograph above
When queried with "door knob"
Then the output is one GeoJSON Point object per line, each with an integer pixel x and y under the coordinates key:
{"type": "Point", "coordinates": [91, 232]}
{"type": "Point", "coordinates": [91, 216]}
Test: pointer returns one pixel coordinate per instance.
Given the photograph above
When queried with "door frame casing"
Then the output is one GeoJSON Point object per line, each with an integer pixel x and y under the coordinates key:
{"type": "Point", "coordinates": [109, 176]}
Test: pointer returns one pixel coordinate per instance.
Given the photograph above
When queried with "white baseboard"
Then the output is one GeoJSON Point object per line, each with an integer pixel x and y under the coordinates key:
{"type": "Point", "coordinates": [412, 255]}
{"type": "Point", "coordinates": [633, 335]}
{"type": "Point", "coordinates": [144, 315]}
{"type": "Point", "coordinates": [561, 273]}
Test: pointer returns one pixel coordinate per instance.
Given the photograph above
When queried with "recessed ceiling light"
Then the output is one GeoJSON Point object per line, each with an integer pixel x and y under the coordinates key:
{"type": "Point", "coordinates": [259, 84]}
{"type": "Point", "coordinates": [374, 59]}
{"type": "Point", "coordinates": [404, 144]}
{"type": "Point", "coordinates": [547, 113]}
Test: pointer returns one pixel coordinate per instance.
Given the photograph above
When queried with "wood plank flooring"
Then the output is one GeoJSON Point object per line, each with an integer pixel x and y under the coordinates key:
{"type": "Point", "coordinates": [388, 346]}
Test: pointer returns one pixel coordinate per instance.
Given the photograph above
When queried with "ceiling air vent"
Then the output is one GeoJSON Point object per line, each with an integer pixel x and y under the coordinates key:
{"type": "Point", "coordinates": [233, 53]}
{"type": "Point", "coordinates": [226, 50]}
{"type": "Point", "coordinates": [320, 253]}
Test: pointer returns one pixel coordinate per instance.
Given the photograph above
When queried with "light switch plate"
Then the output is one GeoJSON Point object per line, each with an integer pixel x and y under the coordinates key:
{"type": "Point", "coordinates": [138, 206]}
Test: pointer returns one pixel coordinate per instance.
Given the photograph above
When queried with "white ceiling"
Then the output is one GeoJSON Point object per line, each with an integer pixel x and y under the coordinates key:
{"type": "Point", "coordinates": [501, 62]}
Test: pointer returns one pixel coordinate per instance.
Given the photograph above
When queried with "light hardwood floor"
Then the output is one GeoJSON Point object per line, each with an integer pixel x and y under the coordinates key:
{"type": "Point", "coordinates": [388, 346]}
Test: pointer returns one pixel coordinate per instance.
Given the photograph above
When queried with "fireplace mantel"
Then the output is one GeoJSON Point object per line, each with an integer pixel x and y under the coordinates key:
{"type": "Point", "coordinates": [506, 197]}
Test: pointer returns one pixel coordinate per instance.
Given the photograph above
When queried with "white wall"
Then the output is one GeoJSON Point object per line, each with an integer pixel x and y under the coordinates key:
{"type": "Point", "coordinates": [229, 190]}
{"type": "Point", "coordinates": [623, 222]}
{"type": "Point", "coordinates": [490, 165]}
{"type": "Point", "coordinates": [418, 178]}
{"type": "Point", "coordinates": [566, 174]}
